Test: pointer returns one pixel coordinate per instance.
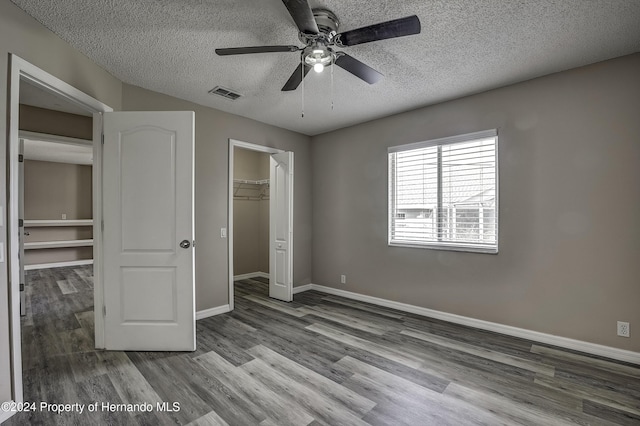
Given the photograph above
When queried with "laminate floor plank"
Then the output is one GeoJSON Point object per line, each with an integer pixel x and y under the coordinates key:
{"type": "Point", "coordinates": [535, 367]}
{"type": "Point", "coordinates": [229, 349]}
{"type": "Point", "coordinates": [319, 360]}
{"type": "Point", "coordinates": [230, 405]}
{"type": "Point", "coordinates": [130, 385]}
{"type": "Point", "coordinates": [387, 322]}
{"type": "Point", "coordinates": [318, 405]}
{"type": "Point", "coordinates": [277, 305]}
{"type": "Point", "coordinates": [209, 419]}
{"type": "Point", "coordinates": [482, 338]}
{"type": "Point", "coordinates": [86, 365]}
{"type": "Point", "coordinates": [517, 413]}
{"type": "Point", "coordinates": [613, 367]}
{"type": "Point", "coordinates": [392, 391]}
{"type": "Point", "coordinates": [170, 385]}
{"type": "Point", "coordinates": [601, 396]}
{"type": "Point", "coordinates": [604, 412]}
{"type": "Point", "coordinates": [280, 409]}
{"type": "Point", "coordinates": [345, 320]}
{"type": "Point", "coordinates": [311, 380]}
{"type": "Point", "coordinates": [66, 287]}
{"type": "Point", "coordinates": [386, 352]}
{"type": "Point", "coordinates": [366, 307]}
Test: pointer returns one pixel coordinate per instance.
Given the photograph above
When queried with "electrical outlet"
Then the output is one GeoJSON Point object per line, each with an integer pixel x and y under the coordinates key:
{"type": "Point", "coordinates": [343, 279]}
{"type": "Point", "coordinates": [64, 216]}
{"type": "Point", "coordinates": [623, 329]}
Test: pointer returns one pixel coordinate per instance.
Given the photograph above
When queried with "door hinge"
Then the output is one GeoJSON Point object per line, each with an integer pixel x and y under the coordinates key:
{"type": "Point", "coordinates": [102, 225]}
{"type": "Point", "coordinates": [104, 311]}
{"type": "Point", "coordinates": [22, 287]}
{"type": "Point", "coordinates": [20, 158]}
{"type": "Point", "coordinates": [193, 243]}
{"type": "Point", "coordinates": [102, 138]}
{"type": "Point", "coordinates": [20, 223]}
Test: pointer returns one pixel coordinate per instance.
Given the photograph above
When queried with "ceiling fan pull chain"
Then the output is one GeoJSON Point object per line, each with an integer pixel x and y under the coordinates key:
{"type": "Point", "coordinates": [302, 72]}
{"type": "Point", "coordinates": [332, 62]}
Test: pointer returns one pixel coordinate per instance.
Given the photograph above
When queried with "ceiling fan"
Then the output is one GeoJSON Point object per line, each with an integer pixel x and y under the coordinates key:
{"type": "Point", "coordinates": [318, 31]}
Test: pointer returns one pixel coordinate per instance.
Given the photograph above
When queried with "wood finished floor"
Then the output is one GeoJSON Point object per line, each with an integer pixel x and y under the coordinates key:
{"type": "Point", "coordinates": [321, 360]}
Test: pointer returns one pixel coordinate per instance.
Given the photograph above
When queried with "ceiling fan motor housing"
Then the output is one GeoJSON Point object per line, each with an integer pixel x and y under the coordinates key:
{"type": "Point", "coordinates": [327, 21]}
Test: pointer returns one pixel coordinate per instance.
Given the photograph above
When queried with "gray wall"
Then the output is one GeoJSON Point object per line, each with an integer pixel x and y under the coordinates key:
{"type": "Point", "coordinates": [213, 130]}
{"type": "Point", "coordinates": [250, 217]}
{"type": "Point", "coordinates": [569, 165]}
{"type": "Point", "coordinates": [24, 36]}
{"type": "Point", "coordinates": [51, 189]}
{"type": "Point", "coordinates": [51, 122]}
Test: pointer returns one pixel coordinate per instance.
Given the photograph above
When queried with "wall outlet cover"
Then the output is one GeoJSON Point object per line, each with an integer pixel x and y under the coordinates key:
{"type": "Point", "coordinates": [623, 329]}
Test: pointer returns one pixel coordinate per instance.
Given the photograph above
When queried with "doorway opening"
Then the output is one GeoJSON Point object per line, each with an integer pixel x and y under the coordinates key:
{"type": "Point", "coordinates": [250, 215]}
{"type": "Point", "coordinates": [260, 224]}
{"type": "Point", "coordinates": [29, 86]}
{"type": "Point", "coordinates": [56, 203]}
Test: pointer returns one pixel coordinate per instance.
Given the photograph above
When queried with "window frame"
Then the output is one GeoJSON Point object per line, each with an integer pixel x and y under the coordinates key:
{"type": "Point", "coordinates": [444, 245]}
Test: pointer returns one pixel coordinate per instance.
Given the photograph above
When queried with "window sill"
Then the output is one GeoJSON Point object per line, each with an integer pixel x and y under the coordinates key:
{"type": "Point", "coordinates": [444, 246]}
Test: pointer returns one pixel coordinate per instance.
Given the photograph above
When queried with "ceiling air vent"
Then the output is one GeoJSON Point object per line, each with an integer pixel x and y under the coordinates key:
{"type": "Point", "coordinates": [225, 93]}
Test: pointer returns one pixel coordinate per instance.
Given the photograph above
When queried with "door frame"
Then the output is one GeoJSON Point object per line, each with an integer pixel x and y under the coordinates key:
{"type": "Point", "coordinates": [252, 147]}
{"type": "Point", "coordinates": [31, 74]}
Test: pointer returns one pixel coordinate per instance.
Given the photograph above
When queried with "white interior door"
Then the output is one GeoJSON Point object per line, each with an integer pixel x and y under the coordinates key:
{"type": "Point", "coordinates": [281, 227]}
{"type": "Point", "coordinates": [148, 231]}
{"type": "Point", "coordinates": [21, 231]}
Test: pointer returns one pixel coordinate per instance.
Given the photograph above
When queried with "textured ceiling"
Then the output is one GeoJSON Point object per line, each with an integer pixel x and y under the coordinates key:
{"type": "Point", "coordinates": [466, 46]}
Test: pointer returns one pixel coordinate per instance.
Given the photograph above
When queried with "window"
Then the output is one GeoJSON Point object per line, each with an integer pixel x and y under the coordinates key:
{"type": "Point", "coordinates": [443, 193]}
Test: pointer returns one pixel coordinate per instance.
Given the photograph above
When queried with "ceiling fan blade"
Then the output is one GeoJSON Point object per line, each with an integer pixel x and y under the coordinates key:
{"type": "Point", "coordinates": [302, 15]}
{"type": "Point", "coordinates": [296, 78]}
{"type": "Point", "coordinates": [257, 49]}
{"type": "Point", "coordinates": [384, 30]}
{"type": "Point", "coordinates": [357, 68]}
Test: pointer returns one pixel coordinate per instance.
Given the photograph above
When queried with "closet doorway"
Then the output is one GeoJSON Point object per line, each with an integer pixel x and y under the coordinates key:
{"type": "Point", "coordinates": [260, 224]}
{"type": "Point", "coordinates": [56, 207]}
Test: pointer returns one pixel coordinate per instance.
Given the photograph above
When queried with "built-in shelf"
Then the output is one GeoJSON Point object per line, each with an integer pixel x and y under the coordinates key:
{"type": "Point", "coordinates": [57, 244]}
{"type": "Point", "coordinates": [251, 182]}
{"type": "Point", "coordinates": [247, 189]}
{"type": "Point", "coordinates": [57, 222]}
{"type": "Point", "coordinates": [58, 264]}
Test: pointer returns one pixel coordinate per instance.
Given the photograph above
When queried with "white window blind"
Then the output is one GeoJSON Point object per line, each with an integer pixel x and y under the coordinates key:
{"type": "Point", "coordinates": [444, 194]}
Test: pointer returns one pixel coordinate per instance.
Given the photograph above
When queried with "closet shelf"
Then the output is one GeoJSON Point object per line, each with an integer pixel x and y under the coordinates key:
{"type": "Point", "coordinates": [57, 222]}
{"type": "Point", "coordinates": [252, 190]}
{"type": "Point", "coordinates": [57, 244]}
{"type": "Point", "coordinates": [252, 182]}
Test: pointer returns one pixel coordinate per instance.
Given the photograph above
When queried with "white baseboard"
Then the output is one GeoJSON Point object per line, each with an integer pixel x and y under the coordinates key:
{"type": "Point", "coordinates": [564, 342]}
{"type": "Point", "coordinates": [251, 275]}
{"type": "Point", "coordinates": [302, 288]}
{"type": "Point", "coordinates": [206, 313]}
{"type": "Point", "coordinates": [58, 264]}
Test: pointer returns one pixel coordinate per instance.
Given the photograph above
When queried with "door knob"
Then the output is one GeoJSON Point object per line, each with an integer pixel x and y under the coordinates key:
{"type": "Point", "coordinates": [185, 244]}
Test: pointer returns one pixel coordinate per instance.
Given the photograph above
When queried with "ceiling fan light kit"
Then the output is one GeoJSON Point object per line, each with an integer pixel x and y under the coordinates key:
{"type": "Point", "coordinates": [317, 57]}
{"type": "Point", "coordinates": [318, 31]}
